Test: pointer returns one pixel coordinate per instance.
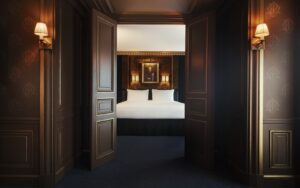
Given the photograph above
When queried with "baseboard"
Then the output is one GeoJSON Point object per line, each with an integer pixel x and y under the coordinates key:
{"type": "Point", "coordinates": [19, 180]}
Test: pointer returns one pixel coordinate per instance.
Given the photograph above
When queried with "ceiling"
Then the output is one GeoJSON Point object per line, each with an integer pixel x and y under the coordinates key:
{"type": "Point", "coordinates": [169, 7]}
{"type": "Point", "coordinates": [152, 11]}
{"type": "Point", "coordinates": [157, 37]}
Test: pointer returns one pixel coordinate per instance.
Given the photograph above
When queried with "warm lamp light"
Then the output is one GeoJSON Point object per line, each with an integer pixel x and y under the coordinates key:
{"type": "Point", "coordinates": [258, 41]}
{"type": "Point", "coordinates": [133, 78]}
{"type": "Point", "coordinates": [262, 31]}
{"type": "Point", "coordinates": [167, 78]}
{"type": "Point", "coordinates": [42, 31]}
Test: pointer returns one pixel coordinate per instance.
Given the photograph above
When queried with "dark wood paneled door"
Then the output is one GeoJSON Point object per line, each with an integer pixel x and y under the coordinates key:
{"type": "Point", "coordinates": [200, 34]}
{"type": "Point", "coordinates": [103, 99]}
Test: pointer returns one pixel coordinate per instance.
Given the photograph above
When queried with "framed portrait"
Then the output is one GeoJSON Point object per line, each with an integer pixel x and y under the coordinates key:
{"type": "Point", "coordinates": [150, 73]}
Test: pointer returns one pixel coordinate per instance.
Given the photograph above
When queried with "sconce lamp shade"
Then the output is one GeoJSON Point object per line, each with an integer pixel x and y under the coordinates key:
{"type": "Point", "coordinates": [262, 31]}
{"type": "Point", "coordinates": [167, 78]}
{"type": "Point", "coordinates": [41, 30]}
{"type": "Point", "coordinates": [133, 78]}
{"type": "Point", "coordinates": [163, 78]}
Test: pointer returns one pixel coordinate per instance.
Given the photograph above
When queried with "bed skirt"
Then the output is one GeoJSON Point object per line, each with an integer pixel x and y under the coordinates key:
{"type": "Point", "coordinates": [150, 127]}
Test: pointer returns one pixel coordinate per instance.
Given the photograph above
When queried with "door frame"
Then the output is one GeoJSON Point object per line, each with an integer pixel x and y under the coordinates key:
{"type": "Point", "coordinates": [48, 15]}
{"type": "Point", "coordinates": [97, 119]}
{"type": "Point", "coordinates": [47, 58]}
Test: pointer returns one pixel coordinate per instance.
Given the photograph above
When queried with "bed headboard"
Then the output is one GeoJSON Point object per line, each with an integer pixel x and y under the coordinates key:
{"type": "Point", "coordinates": [124, 94]}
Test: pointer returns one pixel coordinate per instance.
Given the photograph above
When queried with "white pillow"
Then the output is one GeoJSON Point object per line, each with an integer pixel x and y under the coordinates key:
{"type": "Point", "coordinates": [163, 95]}
{"type": "Point", "coordinates": [137, 95]}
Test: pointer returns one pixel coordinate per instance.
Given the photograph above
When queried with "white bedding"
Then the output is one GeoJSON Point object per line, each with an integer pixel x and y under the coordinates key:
{"type": "Point", "coordinates": [151, 110]}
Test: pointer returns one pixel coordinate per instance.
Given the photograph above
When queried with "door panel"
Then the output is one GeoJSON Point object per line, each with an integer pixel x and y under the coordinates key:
{"type": "Point", "coordinates": [199, 91]}
{"type": "Point", "coordinates": [103, 125]}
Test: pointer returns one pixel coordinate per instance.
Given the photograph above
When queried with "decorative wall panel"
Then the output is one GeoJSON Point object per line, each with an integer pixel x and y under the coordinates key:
{"type": "Point", "coordinates": [16, 149]}
{"type": "Point", "coordinates": [104, 134]}
{"type": "Point", "coordinates": [278, 146]}
{"type": "Point", "coordinates": [198, 67]}
{"type": "Point", "coordinates": [105, 106]}
{"type": "Point", "coordinates": [19, 146]}
{"type": "Point", "coordinates": [105, 72]}
{"type": "Point", "coordinates": [198, 106]}
{"type": "Point", "coordinates": [280, 149]}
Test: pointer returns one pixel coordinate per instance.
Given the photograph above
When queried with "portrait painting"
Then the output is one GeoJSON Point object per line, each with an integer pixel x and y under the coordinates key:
{"type": "Point", "coordinates": [150, 73]}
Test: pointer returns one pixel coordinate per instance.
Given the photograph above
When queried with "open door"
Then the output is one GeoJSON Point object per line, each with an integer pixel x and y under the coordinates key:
{"type": "Point", "coordinates": [103, 94]}
{"type": "Point", "coordinates": [200, 34]}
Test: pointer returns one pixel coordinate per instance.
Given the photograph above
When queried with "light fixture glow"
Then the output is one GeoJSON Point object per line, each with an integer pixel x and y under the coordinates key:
{"type": "Point", "coordinates": [41, 30]}
{"type": "Point", "coordinates": [262, 31]}
{"type": "Point", "coordinates": [258, 41]}
{"type": "Point", "coordinates": [167, 78]}
{"type": "Point", "coordinates": [133, 78]}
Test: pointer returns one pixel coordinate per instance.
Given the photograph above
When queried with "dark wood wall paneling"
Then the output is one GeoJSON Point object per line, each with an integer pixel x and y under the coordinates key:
{"type": "Point", "coordinates": [200, 65]}
{"type": "Point", "coordinates": [231, 91]}
{"type": "Point", "coordinates": [103, 93]}
{"type": "Point", "coordinates": [67, 82]}
{"type": "Point", "coordinates": [171, 65]}
{"type": "Point", "coordinates": [19, 92]}
{"type": "Point", "coordinates": [281, 89]}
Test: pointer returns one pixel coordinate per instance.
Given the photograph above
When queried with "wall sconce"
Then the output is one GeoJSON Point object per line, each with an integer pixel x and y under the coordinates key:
{"type": "Point", "coordinates": [135, 78]}
{"type": "Point", "coordinates": [42, 31]}
{"type": "Point", "coordinates": [165, 78]}
{"type": "Point", "coordinates": [258, 42]}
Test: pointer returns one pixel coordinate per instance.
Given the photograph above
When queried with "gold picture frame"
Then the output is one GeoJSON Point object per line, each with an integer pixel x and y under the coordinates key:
{"type": "Point", "coordinates": [150, 73]}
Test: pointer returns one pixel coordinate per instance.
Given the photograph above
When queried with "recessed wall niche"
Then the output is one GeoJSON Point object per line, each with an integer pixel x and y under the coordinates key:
{"type": "Point", "coordinates": [170, 72]}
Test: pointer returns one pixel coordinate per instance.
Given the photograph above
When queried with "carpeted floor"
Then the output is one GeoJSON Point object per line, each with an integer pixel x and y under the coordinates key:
{"type": "Point", "coordinates": [147, 162]}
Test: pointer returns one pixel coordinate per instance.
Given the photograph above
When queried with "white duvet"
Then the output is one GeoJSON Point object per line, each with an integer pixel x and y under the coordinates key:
{"type": "Point", "coordinates": [151, 110]}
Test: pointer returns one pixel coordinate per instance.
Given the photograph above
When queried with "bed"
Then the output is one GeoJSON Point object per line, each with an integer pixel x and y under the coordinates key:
{"type": "Point", "coordinates": [150, 117]}
{"type": "Point", "coordinates": [150, 110]}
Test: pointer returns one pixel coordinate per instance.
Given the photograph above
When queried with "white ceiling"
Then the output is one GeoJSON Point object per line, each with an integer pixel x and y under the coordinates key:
{"type": "Point", "coordinates": [151, 38]}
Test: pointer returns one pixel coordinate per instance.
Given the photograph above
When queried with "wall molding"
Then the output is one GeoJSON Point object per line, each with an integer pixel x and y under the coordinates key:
{"type": "Point", "coordinates": [28, 137]}
{"type": "Point", "coordinates": [281, 121]}
{"type": "Point", "coordinates": [25, 170]}
{"type": "Point", "coordinates": [150, 19]}
{"type": "Point", "coordinates": [19, 180]}
{"type": "Point", "coordinates": [151, 53]}
{"type": "Point", "coordinates": [19, 119]}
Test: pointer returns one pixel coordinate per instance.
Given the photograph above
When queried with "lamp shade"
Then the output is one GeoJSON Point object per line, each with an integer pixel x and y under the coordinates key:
{"type": "Point", "coordinates": [262, 30]}
{"type": "Point", "coordinates": [41, 29]}
{"type": "Point", "coordinates": [133, 78]}
{"type": "Point", "coordinates": [167, 78]}
{"type": "Point", "coordinates": [137, 78]}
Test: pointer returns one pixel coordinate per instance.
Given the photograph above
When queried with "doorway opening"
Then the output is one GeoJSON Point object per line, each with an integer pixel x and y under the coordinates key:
{"type": "Point", "coordinates": [151, 80]}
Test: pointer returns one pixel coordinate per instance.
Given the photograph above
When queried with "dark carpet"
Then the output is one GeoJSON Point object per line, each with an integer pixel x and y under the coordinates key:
{"type": "Point", "coordinates": [148, 162]}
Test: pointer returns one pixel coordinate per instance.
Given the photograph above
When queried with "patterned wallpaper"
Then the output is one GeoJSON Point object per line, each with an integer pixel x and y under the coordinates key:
{"type": "Point", "coordinates": [280, 59]}
{"type": "Point", "coordinates": [19, 59]}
